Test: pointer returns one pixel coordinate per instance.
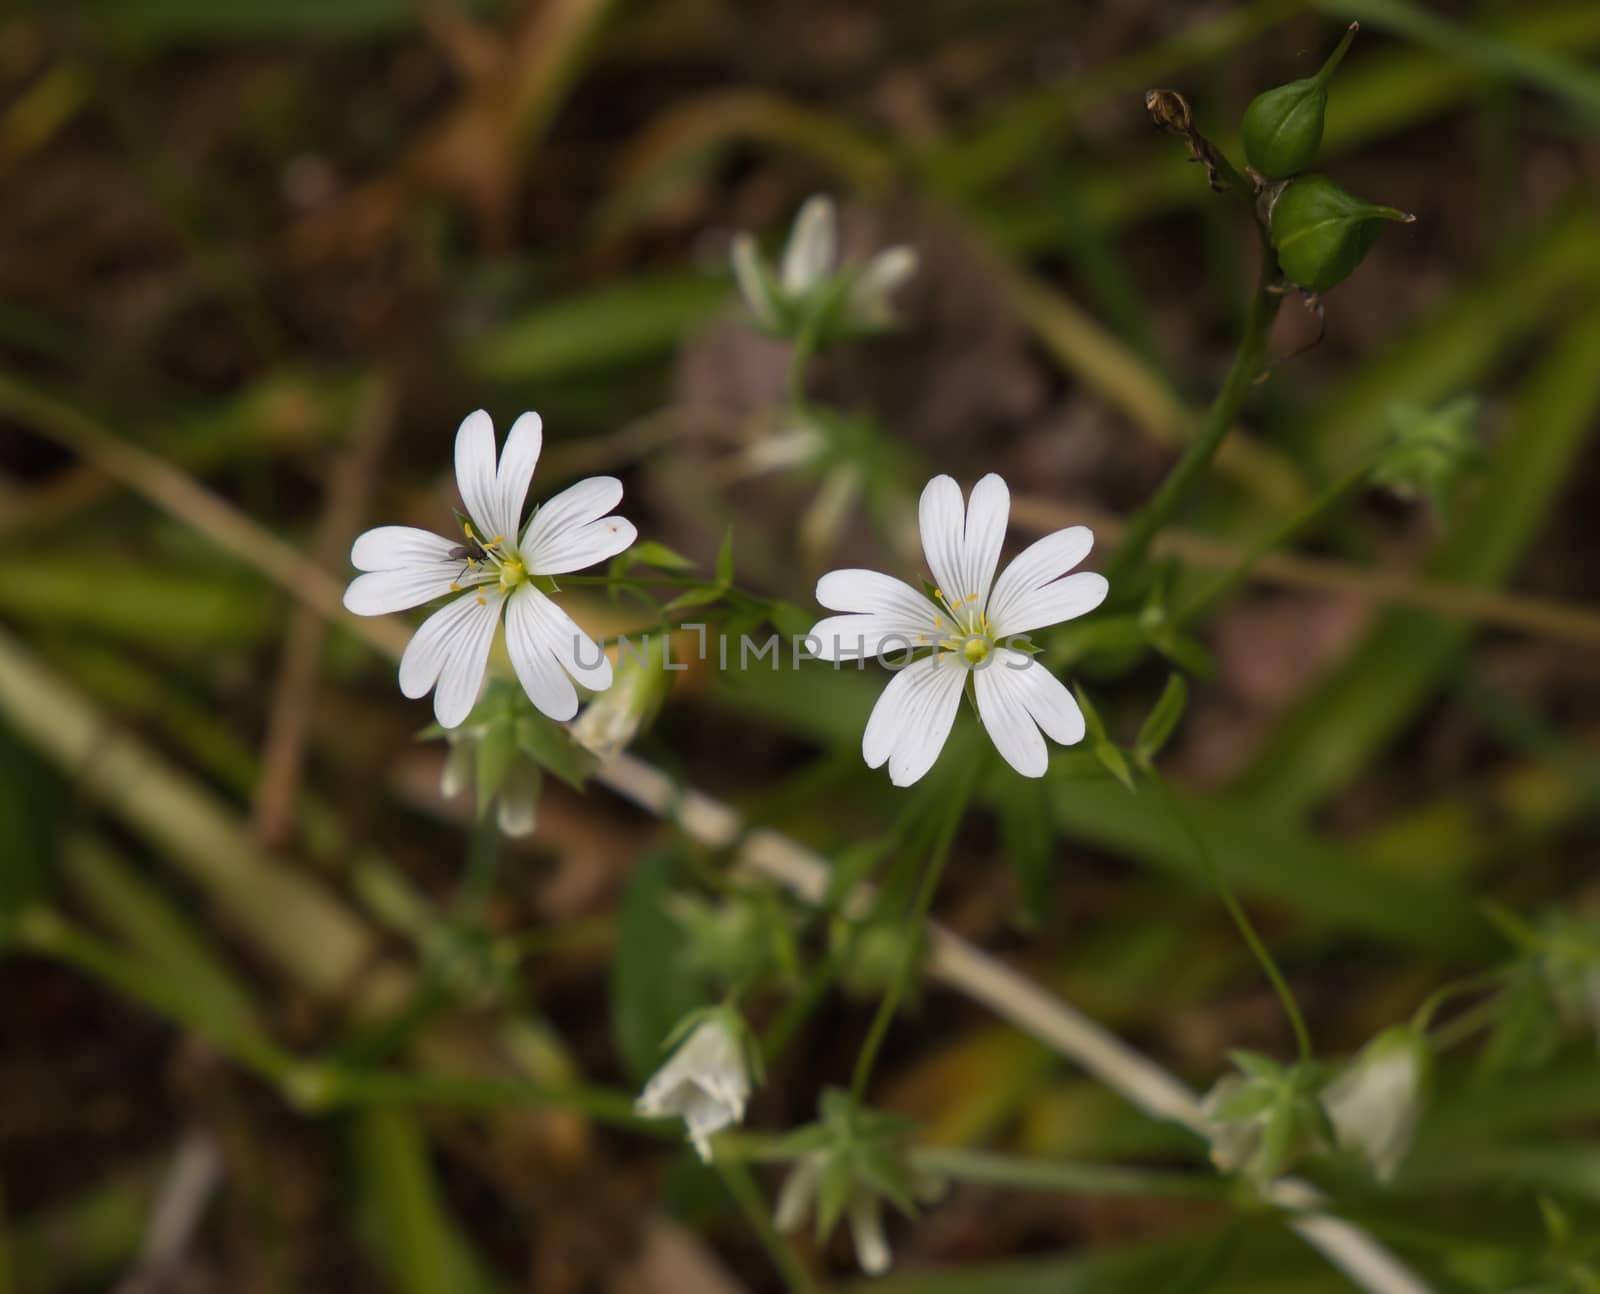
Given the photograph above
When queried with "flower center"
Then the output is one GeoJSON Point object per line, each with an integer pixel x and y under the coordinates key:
{"type": "Point", "coordinates": [970, 633]}
{"type": "Point", "coordinates": [512, 573]}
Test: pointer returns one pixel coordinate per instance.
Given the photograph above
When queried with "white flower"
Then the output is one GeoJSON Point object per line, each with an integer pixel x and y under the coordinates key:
{"type": "Point", "coordinates": [863, 1211]}
{"type": "Point", "coordinates": [807, 269]}
{"type": "Point", "coordinates": [1375, 1103]}
{"type": "Point", "coordinates": [706, 1083]}
{"type": "Point", "coordinates": [494, 565]}
{"type": "Point", "coordinates": [967, 625]}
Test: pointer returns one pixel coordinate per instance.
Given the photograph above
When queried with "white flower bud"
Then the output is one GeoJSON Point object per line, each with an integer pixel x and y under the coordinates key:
{"type": "Point", "coordinates": [1375, 1103]}
{"type": "Point", "coordinates": [871, 304]}
{"type": "Point", "coordinates": [706, 1083]}
{"type": "Point", "coordinates": [808, 258]}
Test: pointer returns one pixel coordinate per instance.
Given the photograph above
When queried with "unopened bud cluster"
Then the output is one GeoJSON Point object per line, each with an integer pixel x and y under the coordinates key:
{"type": "Point", "coordinates": [1319, 231]}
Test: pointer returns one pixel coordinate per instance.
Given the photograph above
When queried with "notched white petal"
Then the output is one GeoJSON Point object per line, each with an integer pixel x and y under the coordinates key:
{"type": "Point", "coordinates": [515, 474]}
{"type": "Point", "coordinates": [449, 653]}
{"type": "Point", "coordinates": [475, 470]}
{"type": "Point", "coordinates": [394, 548]}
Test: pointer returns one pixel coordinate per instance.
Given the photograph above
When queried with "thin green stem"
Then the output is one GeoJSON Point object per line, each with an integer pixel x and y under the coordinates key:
{"type": "Point", "coordinates": [1280, 537]}
{"type": "Point", "coordinates": [736, 1177]}
{"type": "Point", "coordinates": [1241, 919]}
{"type": "Point", "coordinates": [1030, 1174]}
{"type": "Point", "coordinates": [1460, 1028]}
{"type": "Point", "coordinates": [1248, 363]}
{"type": "Point", "coordinates": [914, 923]}
{"type": "Point", "coordinates": [1422, 1018]}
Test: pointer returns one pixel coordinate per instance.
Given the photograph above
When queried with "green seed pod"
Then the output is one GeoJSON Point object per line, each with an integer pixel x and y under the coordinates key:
{"type": "Point", "coordinates": [1321, 233]}
{"type": "Point", "coordinates": [1282, 127]}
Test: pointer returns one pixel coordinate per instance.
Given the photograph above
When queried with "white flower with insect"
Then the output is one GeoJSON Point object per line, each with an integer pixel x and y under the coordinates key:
{"type": "Point", "coordinates": [496, 566]}
{"type": "Point", "coordinates": [967, 626]}
{"type": "Point", "coordinates": [807, 284]}
{"type": "Point", "coordinates": [706, 1082]}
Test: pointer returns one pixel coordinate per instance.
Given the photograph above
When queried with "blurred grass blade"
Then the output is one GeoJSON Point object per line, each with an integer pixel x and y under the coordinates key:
{"type": "Point", "coordinates": [126, 902]}
{"type": "Point", "coordinates": [1377, 691]}
{"type": "Point", "coordinates": [614, 325]}
{"type": "Point", "coordinates": [1548, 70]}
{"type": "Point", "coordinates": [403, 1214]}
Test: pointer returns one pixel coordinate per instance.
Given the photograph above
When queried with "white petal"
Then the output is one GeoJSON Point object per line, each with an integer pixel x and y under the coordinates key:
{"type": "Point", "coordinates": [518, 799]}
{"type": "Point", "coordinates": [451, 650]}
{"type": "Point", "coordinates": [874, 592]}
{"type": "Point", "coordinates": [546, 645]}
{"type": "Point", "coordinates": [377, 593]}
{"type": "Point", "coordinates": [988, 510]}
{"type": "Point", "coordinates": [1017, 696]}
{"type": "Point", "coordinates": [870, 294]}
{"type": "Point", "coordinates": [912, 719]}
{"type": "Point", "coordinates": [1063, 599]}
{"type": "Point", "coordinates": [571, 531]}
{"type": "Point", "coordinates": [393, 548]}
{"type": "Point", "coordinates": [458, 767]}
{"type": "Point", "coordinates": [850, 637]}
{"type": "Point", "coordinates": [475, 471]}
{"type": "Point", "coordinates": [1036, 566]}
{"type": "Point", "coordinates": [798, 1192]}
{"type": "Point", "coordinates": [941, 519]}
{"type": "Point", "coordinates": [517, 461]}
{"type": "Point", "coordinates": [809, 255]}
{"type": "Point", "coordinates": [962, 544]}
{"type": "Point", "coordinates": [753, 283]}
{"type": "Point", "coordinates": [866, 1230]}
{"type": "Point", "coordinates": [1006, 719]}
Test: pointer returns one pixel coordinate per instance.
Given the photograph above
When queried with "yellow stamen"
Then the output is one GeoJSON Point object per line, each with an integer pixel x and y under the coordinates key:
{"type": "Point", "coordinates": [482, 601]}
{"type": "Point", "coordinates": [454, 587]}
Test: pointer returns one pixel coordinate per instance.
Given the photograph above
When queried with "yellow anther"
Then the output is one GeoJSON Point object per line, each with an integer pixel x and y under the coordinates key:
{"type": "Point", "coordinates": [454, 587]}
{"type": "Point", "coordinates": [972, 597]}
{"type": "Point", "coordinates": [922, 638]}
{"type": "Point", "coordinates": [467, 526]}
{"type": "Point", "coordinates": [939, 593]}
{"type": "Point", "coordinates": [500, 539]}
{"type": "Point", "coordinates": [938, 622]}
{"type": "Point", "coordinates": [482, 601]}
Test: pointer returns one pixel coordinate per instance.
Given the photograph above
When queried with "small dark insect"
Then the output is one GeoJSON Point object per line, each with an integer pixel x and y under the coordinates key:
{"type": "Point", "coordinates": [472, 552]}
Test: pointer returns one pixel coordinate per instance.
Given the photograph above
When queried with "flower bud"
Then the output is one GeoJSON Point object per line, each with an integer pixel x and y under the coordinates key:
{"type": "Point", "coordinates": [1374, 1104]}
{"type": "Point", "coordinates": [1282, 127]}
{"type": "Point", "coordinates": [707, 1081]}
{"type": "Point", "coordinates": [1321, 233]}
{"type": "Point", "coordinates": [639, 685]}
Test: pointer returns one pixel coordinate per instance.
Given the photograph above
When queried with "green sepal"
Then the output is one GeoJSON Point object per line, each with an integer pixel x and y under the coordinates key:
{"type": "Point", "coordinates": [1162, 720]}
{"type": "Point", "coordinates": [1321, 233]}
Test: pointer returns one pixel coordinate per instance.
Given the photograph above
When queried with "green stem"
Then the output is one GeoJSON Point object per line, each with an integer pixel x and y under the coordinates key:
{"type": "Point", "coordinates": [1248, 363]}
{"type": "Point", "coordinates": [1241, 920]}
{"type": "Point", "coordinates": [1280, 537]}
{"type": "Point", "coordinates": [736, 1177]}
{"type": "Point", "coordinates": [1030, 1174]}
{"type": "Point", "coordinates": [915, 922]}
{"type": "Point", "coordinates": [1422, 1019]}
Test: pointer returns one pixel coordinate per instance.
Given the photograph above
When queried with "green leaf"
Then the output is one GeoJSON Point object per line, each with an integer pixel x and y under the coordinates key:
{"type": "Point", "coordinates": [1114, 762]}
{"type": "Point", "coordinates": [1028, 837]}
{"type": "Point", "coordinates": [549, 745]}
{"type": "Point", "coordinates": [725, 560]}
{"type": "Point", "coordinates": [654, 984]}
{"type": "Point", "coordinates": [834, 1189]}
{"type": "Point", "coordinates": [496, 748]}
{"type": "Point", "coordinates": [651, 553]}
{"type": "Point", "coordinates": [1091, 716]}
{"type": "Point", "coordinates": [697, 597]}
{"type": "Point", "coordinates": [1162, 720]}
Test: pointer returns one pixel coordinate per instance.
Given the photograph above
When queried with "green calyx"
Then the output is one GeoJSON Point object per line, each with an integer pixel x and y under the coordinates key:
{"type": "Point", "coordinates": [1282, 127]}
{"type": "Point", "coordinates": [1321, 233]}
